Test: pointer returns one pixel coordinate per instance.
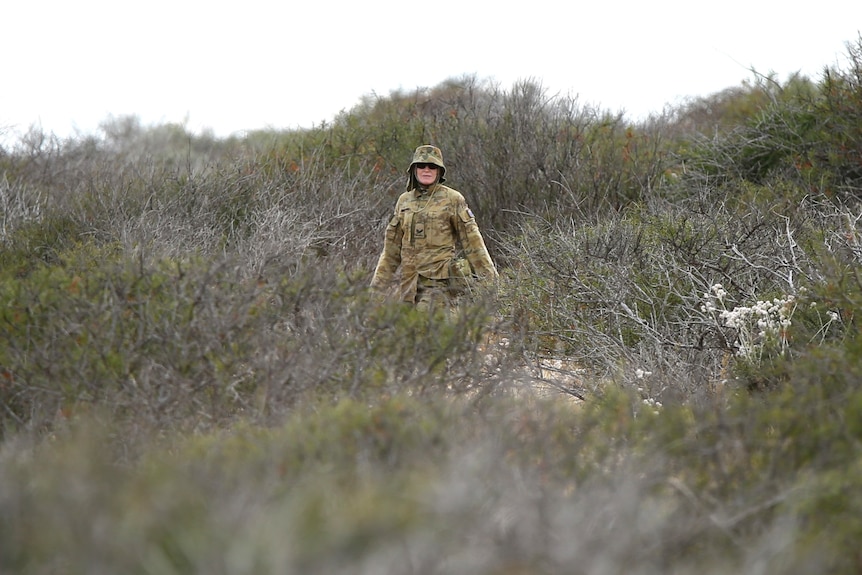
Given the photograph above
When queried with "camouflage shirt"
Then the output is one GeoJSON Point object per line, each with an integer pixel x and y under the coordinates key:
{"type": "Point", "coordinates": [426, 232]}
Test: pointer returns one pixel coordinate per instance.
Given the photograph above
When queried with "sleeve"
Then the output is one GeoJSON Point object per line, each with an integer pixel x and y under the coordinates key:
{"type": "Point", "coordinates": [472, 241]}
{"type": "Point", "coordinates": [390, 257]}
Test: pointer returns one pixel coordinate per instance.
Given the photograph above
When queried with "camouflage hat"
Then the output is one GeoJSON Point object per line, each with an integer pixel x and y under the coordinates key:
{"type": "Point", "coordinates": [428, 155]}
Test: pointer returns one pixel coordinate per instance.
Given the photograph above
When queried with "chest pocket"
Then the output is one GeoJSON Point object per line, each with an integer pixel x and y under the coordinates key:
{"type": "Point", "coordinates": [438, 227]}
{"type": "Point", "coordinates": [405, 218]}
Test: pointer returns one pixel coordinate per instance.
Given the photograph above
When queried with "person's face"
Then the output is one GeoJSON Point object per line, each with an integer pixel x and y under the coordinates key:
{"type": "Point", "coordinates": [426, 174]}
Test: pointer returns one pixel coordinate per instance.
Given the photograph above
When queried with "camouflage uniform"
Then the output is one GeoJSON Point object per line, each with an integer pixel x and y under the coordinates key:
{"type": "Point", "coordinates": [424, 235]}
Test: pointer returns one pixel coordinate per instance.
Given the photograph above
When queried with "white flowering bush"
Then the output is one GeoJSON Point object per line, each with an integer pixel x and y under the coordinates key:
{"type": "Point", "coordinates": [760, 328]}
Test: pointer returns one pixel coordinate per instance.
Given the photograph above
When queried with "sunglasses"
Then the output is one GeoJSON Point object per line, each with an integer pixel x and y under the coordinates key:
{"type": "Point", "coordinates": [427, 166]}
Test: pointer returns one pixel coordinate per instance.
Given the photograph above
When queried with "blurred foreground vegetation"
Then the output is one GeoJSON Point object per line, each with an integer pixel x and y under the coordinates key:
{"type": "Point", "coordinates": [667, 379]}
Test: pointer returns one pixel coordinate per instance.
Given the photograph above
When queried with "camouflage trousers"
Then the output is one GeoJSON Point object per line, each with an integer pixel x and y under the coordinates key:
{"type": "Point", "coordinates": [432, 293]}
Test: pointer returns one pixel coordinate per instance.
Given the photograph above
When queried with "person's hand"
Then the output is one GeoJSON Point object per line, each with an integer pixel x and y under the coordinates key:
{"type": "Point", "coordinates": [378, 295]}
{"type": "Point", "coordinates": [485, 285]}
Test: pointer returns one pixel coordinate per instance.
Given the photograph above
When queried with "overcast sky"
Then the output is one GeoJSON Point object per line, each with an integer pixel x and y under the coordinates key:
{"type": "Point", "coordinates": [234, 66]}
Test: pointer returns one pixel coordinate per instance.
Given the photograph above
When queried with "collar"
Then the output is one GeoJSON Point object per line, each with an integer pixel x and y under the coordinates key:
{"type": "Point", "coordinates": [420, 192]}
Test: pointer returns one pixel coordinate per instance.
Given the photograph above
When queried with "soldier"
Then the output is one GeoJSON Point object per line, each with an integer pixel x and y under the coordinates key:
{"type": "Point", "coordinates": [433, 236]}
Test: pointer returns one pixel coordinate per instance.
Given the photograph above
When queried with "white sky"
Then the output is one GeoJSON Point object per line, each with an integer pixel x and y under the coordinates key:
{"type": "Point", "coordinates": [234, 66]}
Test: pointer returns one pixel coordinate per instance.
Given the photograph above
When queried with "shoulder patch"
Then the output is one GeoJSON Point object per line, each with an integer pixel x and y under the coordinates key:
{"type": "Point", "coordinates": [470, 213]}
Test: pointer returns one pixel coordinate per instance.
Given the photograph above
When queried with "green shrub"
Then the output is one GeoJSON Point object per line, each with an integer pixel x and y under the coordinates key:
{"type": "Point", "coordinates": [194, 377]}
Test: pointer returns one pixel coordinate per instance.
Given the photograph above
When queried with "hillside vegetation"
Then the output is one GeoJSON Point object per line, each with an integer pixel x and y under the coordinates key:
{"type": "Point", "coordinates": [667, 379]}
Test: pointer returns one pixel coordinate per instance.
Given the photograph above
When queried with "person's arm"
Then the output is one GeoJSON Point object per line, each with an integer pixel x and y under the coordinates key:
{"type": "Point", "coordinates": [472, 242]}
{"type": "Point", "coordinates": [390, 257]}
